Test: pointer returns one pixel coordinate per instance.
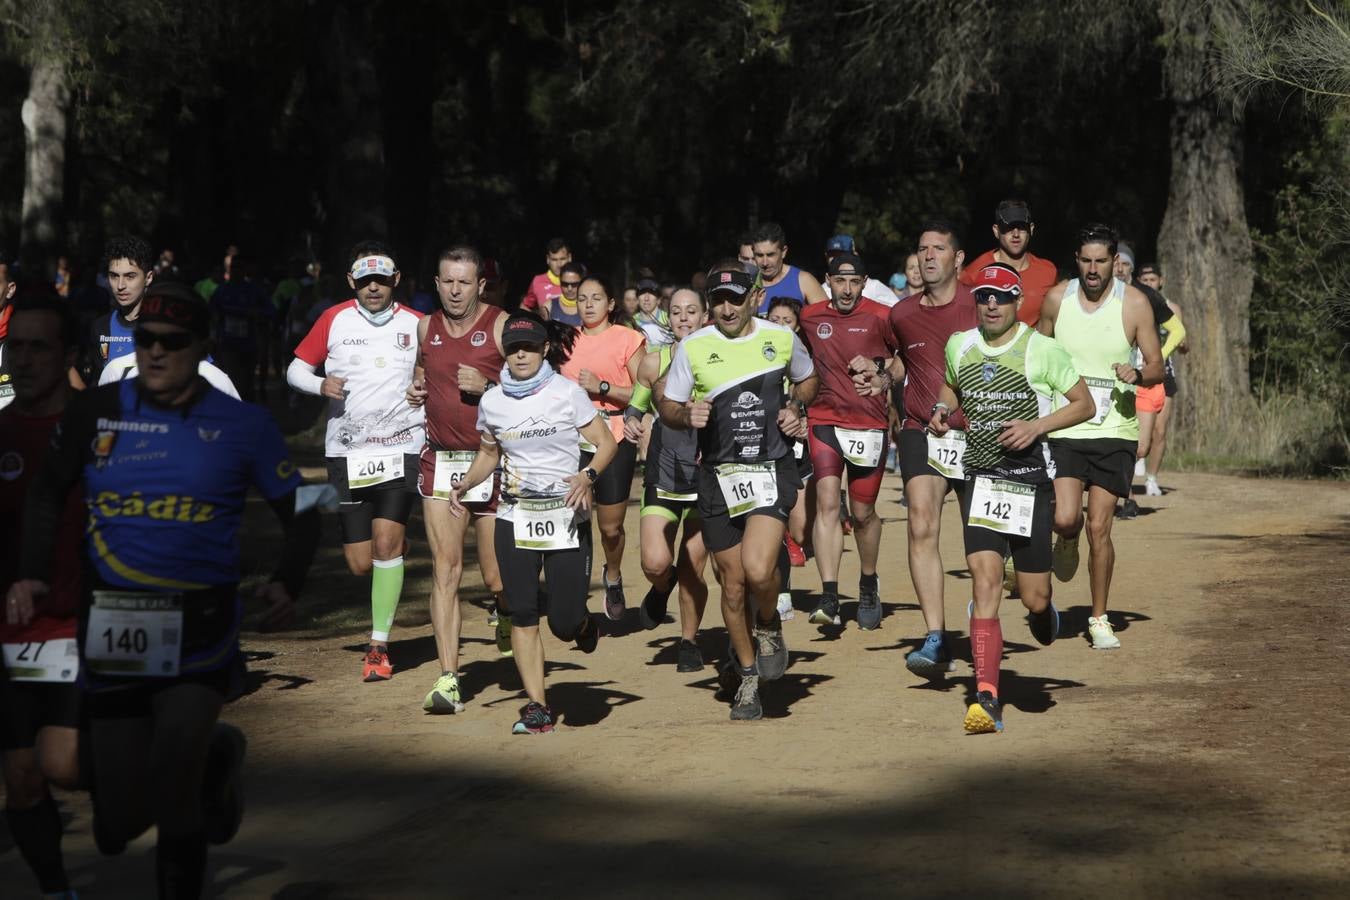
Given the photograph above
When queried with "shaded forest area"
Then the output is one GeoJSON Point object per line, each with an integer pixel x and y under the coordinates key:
{"type": "Point", "coordinates": [654, 133]}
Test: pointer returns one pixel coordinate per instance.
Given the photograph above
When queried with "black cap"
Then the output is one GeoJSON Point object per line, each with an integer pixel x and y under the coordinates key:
{"type": "Point", "coordinates": [1012, 214]}
{"type": "Point", "coordinates": [523, 330]}
{"type": "Point", "coordinates": [175, 303]}
{"type": "Point", "coordinates": [739, 283]}
{"type": "Point", "coordinates": [648, 286]}
{"type": "Point", "coordinates": [847, 259]}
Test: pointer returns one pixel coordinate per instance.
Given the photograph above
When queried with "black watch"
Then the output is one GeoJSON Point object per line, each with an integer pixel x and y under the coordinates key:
{"type": "Point", "coordinates": [881, 363]}
{"type": "Point", "coordinates": [591, 474]}
{"type": "Point", "coordinates": [604, 388]}
{"type": "Point", "coordinates": [1138, 376]}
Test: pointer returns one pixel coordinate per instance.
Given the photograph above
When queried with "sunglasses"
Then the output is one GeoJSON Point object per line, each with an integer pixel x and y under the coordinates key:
{"type": "Point", "coordinates": [171, 341]}
{"type": "Point", "coordinates": [571, 284]}
{"type": "Point", "coordinates": [1002, 299]}
{"type": "Point", "coordinates": [1005, 227]}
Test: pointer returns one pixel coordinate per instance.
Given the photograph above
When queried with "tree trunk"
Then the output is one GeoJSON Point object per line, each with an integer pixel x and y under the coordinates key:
{"type": "Point", "coordinates": [44, 127]}
{"type": "Point", "coordinates": [1204, 246]}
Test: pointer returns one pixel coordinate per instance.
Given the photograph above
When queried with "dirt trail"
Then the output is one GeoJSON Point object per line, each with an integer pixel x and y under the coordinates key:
{"type": "Point", "coordinates": [1205, 758]}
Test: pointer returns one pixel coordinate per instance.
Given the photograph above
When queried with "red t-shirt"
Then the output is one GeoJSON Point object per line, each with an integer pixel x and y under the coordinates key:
{"type": "Point", "coordinates": [921, 334]}
{"type": "Point", "coordinates": [834, 338]}
{"type": "Point", "coordinates": [452, 416]}
{"type": "Point", "coordinates": [544, 289]}
{"type": "Point", "coordinates": [24, 443]}
{"type": "Point", "coordinates": [1039, 276]}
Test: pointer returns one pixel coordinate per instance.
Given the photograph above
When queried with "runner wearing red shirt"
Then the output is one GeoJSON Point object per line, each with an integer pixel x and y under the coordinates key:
{"type": "Point", "coordinates": [546, 286]}
{"type": "Point", "coordinates": [1013, 228]}
{"type": "Point", "coordinates": [851, 341]}
{"type": "Point", "coordinates": [39, 697]}
{"type": "Point", "coordinates": [922, 325]}
{"type": "Point", "coordinates": [459, 357]}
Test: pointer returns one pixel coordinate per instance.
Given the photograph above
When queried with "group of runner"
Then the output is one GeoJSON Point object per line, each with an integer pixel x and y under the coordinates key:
{"type": "Point", "coordinates": [767, 403]}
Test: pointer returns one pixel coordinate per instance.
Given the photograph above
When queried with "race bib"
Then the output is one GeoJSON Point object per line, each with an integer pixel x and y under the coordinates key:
{"type": "Point", "coordinates": [1002, 506]}
{"type": "Point", "coordinates": [1101, 390]}
{"type": "Point", "coordinates": [747, 486]}
{"type": "Point", "coordinates": [862, 448]}
{"type": "Point", "coordinates": [368, 471]}
{"type": "Point", "coordinates": [51, 661]}
{"type": "Point", "coordinates": [451, 467]}
{"type": "Point", "coordinates": [544, 525]}
{"type": "Point", "coordinates": [134, 635]}
{"type": "Point", "coordinates": [945, 453]}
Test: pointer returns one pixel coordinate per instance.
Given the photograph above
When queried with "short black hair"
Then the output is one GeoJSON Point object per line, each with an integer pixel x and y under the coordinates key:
{"type": "Point", "coordinates": [465, 254]}
{"type": "Point", "coordinates": [65, 315]}
{"type": "Point", "coordinates": [746, 238]}
{"type": "Point", "coordinates": [129, 246]}
{"type": "Point", "coordinates": [556, 244]}
{"type": "Point", "coordinates": [769, 231]}
{"type": "Point", "coordinates": [572, 268]}
{"type": "Point", "coordinates": [1098, 233]}
{"type": "Point", "coordinates": [941, 226]}
{"type": "Point", "coordinates": [371, 248]}
{"type": "Point", "coordinates": [791, 303]}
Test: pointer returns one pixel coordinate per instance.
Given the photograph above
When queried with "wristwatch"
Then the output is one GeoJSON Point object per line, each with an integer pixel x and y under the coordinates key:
{"type": "Point", "coordinates": [1138, 375]}
{"type": "Point", "coordinates": [881, 363]}
{"type": "Point", "coordinates": [604, 388]}
{"type": "Point", "coordinates": [591, 474]}
{"type": "Point", "coordinates": [936, 406]}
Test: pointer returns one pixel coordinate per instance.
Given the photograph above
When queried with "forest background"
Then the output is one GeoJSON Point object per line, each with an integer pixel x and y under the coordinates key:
{"type": "Point", "coordinates": [1211, 133]}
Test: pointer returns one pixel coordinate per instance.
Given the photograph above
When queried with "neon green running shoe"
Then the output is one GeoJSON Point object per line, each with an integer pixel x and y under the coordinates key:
{"type": "Point", "coordinates": [504, 633]}
{"type": "Point", "coordinates": [444, 697]}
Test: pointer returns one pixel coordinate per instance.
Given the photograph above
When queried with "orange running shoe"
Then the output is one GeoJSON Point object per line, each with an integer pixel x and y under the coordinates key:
{"type": "Point", "coordinates": [796, 555]}
{"type": "Point", "coordinates": [377, 666]}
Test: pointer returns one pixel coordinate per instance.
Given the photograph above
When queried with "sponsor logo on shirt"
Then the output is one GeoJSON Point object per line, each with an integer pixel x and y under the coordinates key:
{"type": "Point", "coordinates": [478, 339]}
{"type": "Point", "coordinates": [170, 507]}
{"type": "Point", "coordinates": [355, 342]}
{"type": "Point", "coordinates": [435, 340]}
{"type": "Point", "coordinates": [824, 330]}
{"type": "Point", "coordinates": [208, 434]}
{"type": "Point", "coordinates": [770, 352]}
{"type": "Point", "coordinates": [285, 469]}
{"type": "Point", "coordinates": [123, 425]}
{"type": "Point", "coordinates": [714, 358]}
{"type": "Point", "coordinates": [403, 340]}
{"type": "Point", "coordinates": [11, 465]}
{"type": "Point", "coordinates": [747, 400]}
{"type": "Point", "coordinates": [988, 371]}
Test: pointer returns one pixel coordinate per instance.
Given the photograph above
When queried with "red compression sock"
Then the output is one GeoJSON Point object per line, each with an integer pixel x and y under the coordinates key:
{"type": "Point", "coordinates": [986, 650]}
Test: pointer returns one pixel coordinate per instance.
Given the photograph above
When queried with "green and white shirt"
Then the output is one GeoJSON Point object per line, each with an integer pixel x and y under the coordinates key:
{"type": "Point", "coordinates": [1001, 384]}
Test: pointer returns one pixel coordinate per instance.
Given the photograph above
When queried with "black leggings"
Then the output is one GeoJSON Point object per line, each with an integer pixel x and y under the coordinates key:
{"type": "Point", "coordinates": [567, 581]}
{"type": "Point", "coordinates": [616, 482]}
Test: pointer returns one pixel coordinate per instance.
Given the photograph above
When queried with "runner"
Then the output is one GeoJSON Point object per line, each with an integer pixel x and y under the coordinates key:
{"type": "Point", "coordinates": [129, 262]}
{"type": "Point", "coordinates": [922, 325]}
{"type": "Point", "coordinates": [459, 357]}
{"type": "Point", "coordinates": [563, 308]}
{"type": "Point", "coordinates": [650, 318]}
{"type": "Point", "coordinates": [1004, 376]}
{"type": "Point", "coordinates": [726, 381]}
{"type": "Point", "coordinates": [532, 425]}
{"type": "Point", "coordinates": [1098, 319]}
{"type": "Point", "coordinates": [1149, 401]}
{"type": "Point", "coordinates": [7, 290]}
{"type": "Point", "coordinates": [670, 494]}
{"type": "Point", "coordinates": [546, 286]}
{"type": "Point", "coordinates": [604, 361]}
{"type": "Point", "coordinates": [769, 244]}
{"type": "Point", "coordinates": [1013, 228]}
{"type": "Point", "coordinates": [166, 463]}
{"type": "Point", "coordinates": [1151, 276]}
{"type": "Point", "coordinates": [39, 696]}
{"type": "Point", "coordinates": [851, 341]}
{"type": "Point", "coordinates": [801, 520]}
{"type": "Point", "coordinates": [368, 348]}
{"type": "Point", "coordinates": [245, 318]}
{"type": "Point", "coordinates": [873, 289]}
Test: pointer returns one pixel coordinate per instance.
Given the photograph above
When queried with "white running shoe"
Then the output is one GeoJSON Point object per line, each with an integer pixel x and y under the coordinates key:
{"type": "Point", "coordinates": [785, 610]}
{"type": "Point", "coordinates": [1151, 488]}
{"type": "Point", "coordinates": [1103, 638]}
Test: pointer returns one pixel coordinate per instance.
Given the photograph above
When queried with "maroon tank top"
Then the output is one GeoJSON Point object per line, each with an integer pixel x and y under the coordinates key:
{"type": "Point", "coordinates": [452, 416]}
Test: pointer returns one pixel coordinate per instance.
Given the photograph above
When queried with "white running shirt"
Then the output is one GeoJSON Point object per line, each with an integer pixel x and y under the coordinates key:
{"type": "Point", "coordinates": [539, 439]}
{"type": "Point", "coordinates": [377, 361]}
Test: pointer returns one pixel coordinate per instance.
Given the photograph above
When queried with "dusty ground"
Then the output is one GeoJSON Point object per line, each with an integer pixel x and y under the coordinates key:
{"type": "Point", "coordinates": [1204, 758]}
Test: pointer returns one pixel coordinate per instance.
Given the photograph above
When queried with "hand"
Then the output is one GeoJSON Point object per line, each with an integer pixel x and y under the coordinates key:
{"type": "Point", "coordinates": [280, 609]}
{"type": "Point", "coordinates": [939, 424]}
{"type": "Point", "coordinates": [699, 413]}
{"type": "Point", "coordinates": [334, 388]}
{"type": "Point", "coordinates": [1018, 434]}
{"type": "Point", "coordinates": [457, 508]}
{"type": "Point", "coordinates": [633, 430]}
{"type": "Point", "coordinates": [859, 364]}
{"type": "Point", "coordinates": [22, 600]}
{"type": "Point", "coordinates": [471, 381]}
{"type": "Point", "coordinates": [417, 392]}
{"type": "Point", "coordinates": [579, 491]}
{"type": "Point", "coordinates": [589, 382]}
{"type": "Point", "coordinates": [1127, 374]}
{"type": "Point", "coordinates": [790, 423]}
